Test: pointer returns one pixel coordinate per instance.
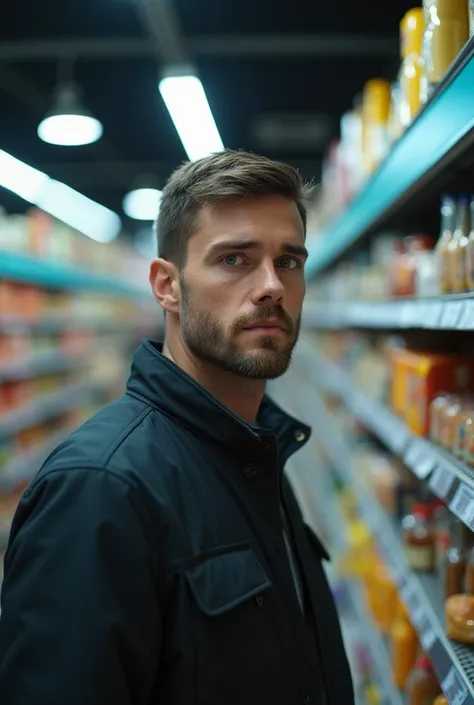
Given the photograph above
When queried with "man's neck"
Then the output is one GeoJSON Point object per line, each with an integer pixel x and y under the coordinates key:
{"type": "Point", "coordinates": [242, 396]}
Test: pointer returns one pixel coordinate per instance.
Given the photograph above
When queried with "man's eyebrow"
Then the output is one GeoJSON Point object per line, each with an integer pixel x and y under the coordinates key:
{"type": "Point", "coordinates": [226, 245]}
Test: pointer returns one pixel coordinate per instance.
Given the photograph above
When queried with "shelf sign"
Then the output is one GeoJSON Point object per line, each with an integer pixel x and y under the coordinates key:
{"type": "Point", "coordinates": [441, 482]}
{"type": "Point", "coordinates": [454, 688]}
{"type": "Point", "coordinates": [419, 459]}
{"type": "Point", "coordinates": [462, 505]}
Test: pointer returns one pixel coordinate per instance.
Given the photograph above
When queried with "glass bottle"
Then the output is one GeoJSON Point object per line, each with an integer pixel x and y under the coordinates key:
{"type": "Point", "coordinates": [457, 247]}
{"type": "Point", "coordinates": [470, 251]}
{"type": "Point", "coordinates": [411, 35]}
{"type": "Point", "coordinates": [419, 538]}
{"type": "Point", "coordinates": [455, 561]}
{"type": "Point", "coordinates": [448, 216]}
{"type": "Point", "coordinates": [422, 685]}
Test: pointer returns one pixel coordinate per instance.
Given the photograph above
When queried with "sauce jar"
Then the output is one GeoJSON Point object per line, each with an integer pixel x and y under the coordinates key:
{"type": "Point", "coordinates": [422, 685]}
{"type": "Point", "coordinates": [419, 538]}
{"type": "Point", "coordinates": [455, 561]}
{"type": "Point", "coordinates": [437, 407]}
{"type": "Point", "coordinates": [450, 417]}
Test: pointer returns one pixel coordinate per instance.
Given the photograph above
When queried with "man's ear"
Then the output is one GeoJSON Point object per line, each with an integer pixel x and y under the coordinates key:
{"type": "Point", "coordinates": [164, 280]}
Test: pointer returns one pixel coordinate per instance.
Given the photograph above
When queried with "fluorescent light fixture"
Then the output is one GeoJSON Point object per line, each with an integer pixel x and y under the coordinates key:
{"type": "Point", "coordinates": [142, 203]}
{"type": "Point", "coordinates": [69, 124]}
{"type": "Point", "coordinates": [187, 104]}
{"type": "Point", "coordinates": [57, 199]}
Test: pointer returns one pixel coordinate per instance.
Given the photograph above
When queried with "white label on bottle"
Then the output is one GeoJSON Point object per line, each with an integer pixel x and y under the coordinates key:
{"type": "Point", "coordinates": [419, 557]}
{"type": "Point", "coordinates": [462, 505]}
{"type": "Point", "coordinates": [441, 482]}
{"type": "Point", "coordinates": [454, 688]}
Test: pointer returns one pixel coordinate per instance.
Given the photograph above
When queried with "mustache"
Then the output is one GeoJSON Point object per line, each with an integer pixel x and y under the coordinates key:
{"type": "Point", "coordinates": [261, 314]}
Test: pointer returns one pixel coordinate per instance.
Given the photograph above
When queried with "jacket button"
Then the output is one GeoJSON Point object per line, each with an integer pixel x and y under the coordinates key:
{"type": "Point", "coordinates": [250, 471]}
{"type": "Point", "coordinates": [259, 600]}
{"type": "Point", "coordinates": [299, 435]}
{"type": "Point", "coordinates": [305, 698]}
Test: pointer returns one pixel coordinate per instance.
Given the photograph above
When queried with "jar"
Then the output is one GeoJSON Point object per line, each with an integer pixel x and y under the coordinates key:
{"type": "Point", "coordinates": [469, 438]}
{"type": "Point", "coordinates": [455, 561]}
{"type": "Point", "coordinates": [437, 408]}
{"type": "Point", "coordinates": [422, 685]}
{"type": "Point", "coordinates": [446, 32]}
{"type": "Point", "coordinates": [465, 420]}
{"type": "Point", "coordinates": [459, 613]}
{"type": "Point", "coordinates": [448, 223]}
{"type": "Point", "coordinates": [449, 421]}
{"type": "Point", "coordinates": [411, 35]}
{"type": "Point", "coordinates": [470, 251]}
{"type": "Point", "coordinates": [441, 700]}
{"type": "Point", "coordinates": [457, 248]}
{"type": "Point", "coordinates": [419, 538]}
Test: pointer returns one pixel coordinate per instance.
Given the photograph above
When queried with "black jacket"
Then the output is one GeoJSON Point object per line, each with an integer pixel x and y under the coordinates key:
{"type": "Point", "coordinates": [147, 566]}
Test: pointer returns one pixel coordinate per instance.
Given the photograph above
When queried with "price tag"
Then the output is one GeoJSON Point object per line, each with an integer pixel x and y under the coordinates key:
{"type": "Point", "coordinates": [441, 482]}
{"type": "Point", "coordinates": [466, 320]}
{"type": "Point", "coordinates": [454, 687]}
{"type": "Point", "coordinates": [462, 505]}
{"type": "Point", "coordinates": [427, 638]}
{"type": "Point", "coordinates": [451, 314]}
{"type": "Point", "coordinates": [432, 312]}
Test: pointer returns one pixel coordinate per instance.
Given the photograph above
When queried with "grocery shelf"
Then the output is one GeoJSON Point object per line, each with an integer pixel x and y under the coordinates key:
{"type": "Point", "coordinates": [449, 478]}
{"type": "Point", "coordinates": [452, 662]}
{"type": "Point", "coordinates": [440, 134]}
{"type": "Point", "coordinates": [11, 325]}
{"type": "Point", "coordinates": [444, 313]}
{"type": "Point", "coordinates": [47, 362]}
{"type": "Point", "coordinates": [46, 407]}
{"type": "Point", "coordinates": [24, 466]}
{"type": "Point", "coordinates": [53, 276]}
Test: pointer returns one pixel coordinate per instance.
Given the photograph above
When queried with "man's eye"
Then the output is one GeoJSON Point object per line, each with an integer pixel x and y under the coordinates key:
{"type": "Point", "coordinates": [288, 263]}
{"type": "Point", "coordinates": [232, 260]}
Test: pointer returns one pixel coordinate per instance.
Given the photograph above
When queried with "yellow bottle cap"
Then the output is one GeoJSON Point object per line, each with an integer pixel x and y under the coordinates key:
{"type": "Point", "coordinates": [377, 99]}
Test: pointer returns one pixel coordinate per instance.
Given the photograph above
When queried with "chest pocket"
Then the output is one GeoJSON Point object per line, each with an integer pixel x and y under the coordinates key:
{"type": "Point", "coordinates": [234, 629]}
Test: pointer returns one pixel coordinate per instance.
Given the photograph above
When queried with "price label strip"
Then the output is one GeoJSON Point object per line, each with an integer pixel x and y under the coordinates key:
{"type": "Point", "coordinates": [462, 505]}
{"type": "Point", "coordinates": [466, 320]}
{"type": "Point", "coordinates": [420, 459]}
{"type": "Point", "coordinates": [454, 688]}
{"type": "Point", "coordinates": [452, 311]}
{"type": "Point", "coordinates": [430, 314]}
{"type": "Point", "coordinates": [441, 482]}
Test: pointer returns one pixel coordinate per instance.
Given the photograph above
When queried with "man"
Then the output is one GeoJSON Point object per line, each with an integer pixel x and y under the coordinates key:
{"type": "Point", "coordinates": [159, 557]}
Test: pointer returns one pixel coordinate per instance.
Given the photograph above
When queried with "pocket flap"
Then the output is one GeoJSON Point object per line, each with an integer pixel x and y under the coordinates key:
{"type": "Point", "coordinates": [225, 581]}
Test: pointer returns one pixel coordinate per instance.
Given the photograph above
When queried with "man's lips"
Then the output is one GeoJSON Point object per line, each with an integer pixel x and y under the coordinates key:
{"type": "Point", "coordinates": [268, 324]}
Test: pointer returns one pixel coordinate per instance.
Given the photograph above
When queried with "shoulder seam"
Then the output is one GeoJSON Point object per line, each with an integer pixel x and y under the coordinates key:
{"type": "Point", "coordinates": [117, 441]}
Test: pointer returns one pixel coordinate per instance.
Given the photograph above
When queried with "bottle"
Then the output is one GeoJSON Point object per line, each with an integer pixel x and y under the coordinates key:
{"type": "Point", "coordinates": [419, 538]}
{"type": "Point", "coordinates": [411, 35]}
{"type": "Point", "coordinates": [455, 561]}
{"type": "Point", "coordinates": [457, 247]}
{"type": "Point", "coordinates": [376, 113]}
{"type": "Point", "coordinates": [470, 251]}
{"type": "Point", "coordinates": [403, 647]}
{"type": "Point", "coordinates": [448, 215]}
{"type": "Point", "coordinates": [446, 32]}
{"type": "Point", "coordinates": [422, 685]}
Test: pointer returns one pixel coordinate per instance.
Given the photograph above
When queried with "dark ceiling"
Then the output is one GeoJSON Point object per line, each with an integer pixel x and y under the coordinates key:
{"type": "Point", "coordinates": [255, 57]}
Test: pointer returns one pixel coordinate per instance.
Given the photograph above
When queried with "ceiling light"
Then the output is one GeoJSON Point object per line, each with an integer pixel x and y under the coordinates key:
{"type": "Point", "coordinates": [68, 123]}
{"type": "Point", "coordinates": [59, 200]}
{"type": "Point", "coordinates": [187, 104]}
{"type": "Point", "coordinates": [142, 203]}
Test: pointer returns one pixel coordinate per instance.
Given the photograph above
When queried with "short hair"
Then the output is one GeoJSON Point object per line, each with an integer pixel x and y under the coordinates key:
{"type": "Point", "coordinates": [213, 179]}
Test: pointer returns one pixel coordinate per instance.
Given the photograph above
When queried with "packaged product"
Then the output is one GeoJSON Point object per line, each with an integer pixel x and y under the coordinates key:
{"type": "Point", "coordinates": [403, 647]}
{"type": "Point", "coordinates": [422, 685]}
{"type": "Point", "coordinates": [460, 618]}
{"type": "Point", "coordinates": [419, 538]}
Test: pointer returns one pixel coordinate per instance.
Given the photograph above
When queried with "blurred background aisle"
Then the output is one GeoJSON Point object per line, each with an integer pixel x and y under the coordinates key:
{"type": "Point", "coordinates": [101, 100]}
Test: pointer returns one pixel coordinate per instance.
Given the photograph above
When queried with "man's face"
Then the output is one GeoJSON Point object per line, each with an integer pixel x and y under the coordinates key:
{"type": "Point", "coordinates": [242, 287]}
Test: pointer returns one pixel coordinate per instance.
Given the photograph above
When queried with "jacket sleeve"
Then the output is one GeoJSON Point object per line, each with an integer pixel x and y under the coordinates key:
{"type": "Point", "coordinates": [80, 622]}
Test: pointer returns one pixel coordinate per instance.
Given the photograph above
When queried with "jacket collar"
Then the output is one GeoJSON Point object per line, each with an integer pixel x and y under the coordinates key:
{"type": "Point", "coordinates": [168, 388]}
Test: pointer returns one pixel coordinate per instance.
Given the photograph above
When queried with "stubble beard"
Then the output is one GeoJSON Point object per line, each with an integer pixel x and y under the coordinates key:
{"type": "Point", "coordinates": [208, 340]}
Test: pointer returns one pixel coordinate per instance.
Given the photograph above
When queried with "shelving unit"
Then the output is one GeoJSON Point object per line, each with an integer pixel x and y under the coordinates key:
{"type": "Point", "coordinates": [440, 136]}
{"type": "Point", "coordinates": [453, 662]}
{"type": "Point", "coordinates": [445, 313]}
{"type": "Point", "coordinates": [22, 268]}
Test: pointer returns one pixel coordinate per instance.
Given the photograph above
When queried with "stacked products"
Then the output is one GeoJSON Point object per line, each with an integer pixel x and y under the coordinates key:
{"type": "Point", "coordinates": [431, 38]}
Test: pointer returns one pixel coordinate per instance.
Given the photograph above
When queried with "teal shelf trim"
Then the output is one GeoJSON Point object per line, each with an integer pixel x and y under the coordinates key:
{"type": "Point", "coordinates": [33, 271]}
{"type": "Point", "coordinates": [440, 127]}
